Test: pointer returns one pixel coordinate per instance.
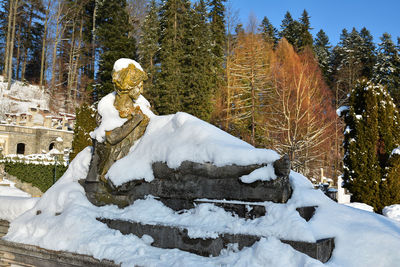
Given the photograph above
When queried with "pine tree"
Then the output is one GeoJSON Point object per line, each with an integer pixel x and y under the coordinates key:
{"type": "Point", "coordinates": [148, 52]}
{"type": "Point", "coordinates": [346, 64]}
{"type": "Point", "coordinates": [170, 83]}
{"type": "Point", "coordinates": [390, 187]}
{"type": "Point", "coordinates": [362, 171]}
{"type": "Point", "coordinates": [367, 52]}
{"type": "Point", "coordinates": [306, 37]}
{"type": "Point", "coordinates": [218, 37]}
{"type": "Point", "coordinates": [85, 123]}
{"type": "Point", "coordinates": [389, 139]}
{"type": "Point", "coordinates": [387, 67]}
{"type": "Point", "coordinates": [322, 51]}
{"type": "Point", "coordinates": [372, 132]}
{"type": "Point", "coordinates": [292, 30]}
{"type": "Point", "coordinates": [268, 31]}
{"type": "Point", "coordinates": [112, 31]}
{"type": "Point", "coordinates": [197, 65]}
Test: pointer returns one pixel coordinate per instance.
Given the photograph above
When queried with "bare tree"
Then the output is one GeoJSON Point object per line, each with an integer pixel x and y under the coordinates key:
{"type": "Point", "coordinates": [137, 10]}
{"type": "Point", "coordinates": [224, 96]}
{"type": "Point", "coordinates": [42, 60]}
{"type": "Point", "coordinates": [301, 117]}
{"type": "Point", "coordinates": [248, 86]}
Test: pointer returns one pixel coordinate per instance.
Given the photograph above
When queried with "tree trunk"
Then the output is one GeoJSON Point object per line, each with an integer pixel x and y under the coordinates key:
{"type": "Point", "coordinates": [25, 57]}
{"type": "Point", "coordinates": [75, 69]}
{"type": "Point", "coordinates": [44, 46]}
{"type": "Point", "coordinates": [18, 53]}
{"type": "Point", "coordinates": [70, 63]}
{"type": "Point", "coordinates": [8, 48]}
{"type": "Point", "coordinates": [9, 79]}
{"type": "Point", "coordinates": [94, 38]}
{"type": "Point", "coordinates": [54, 56]}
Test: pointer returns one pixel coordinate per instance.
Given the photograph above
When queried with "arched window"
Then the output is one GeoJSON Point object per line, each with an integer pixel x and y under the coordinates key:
{"type": "Point", "coordinates": [21, 148]}
{"type": "Point", "coordinates": [51, 146]}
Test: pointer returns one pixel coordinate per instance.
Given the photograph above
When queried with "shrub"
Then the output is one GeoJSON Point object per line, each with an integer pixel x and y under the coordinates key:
{"type": "Point", "coordinates": [39, 175]}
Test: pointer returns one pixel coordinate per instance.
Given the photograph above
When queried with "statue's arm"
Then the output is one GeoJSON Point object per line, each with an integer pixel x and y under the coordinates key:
{"type": "Point", "coordinates": [115, 136]}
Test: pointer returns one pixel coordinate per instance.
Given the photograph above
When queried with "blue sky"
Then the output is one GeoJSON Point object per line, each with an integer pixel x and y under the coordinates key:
{"type": "Point", "coordinates": [330, 15]}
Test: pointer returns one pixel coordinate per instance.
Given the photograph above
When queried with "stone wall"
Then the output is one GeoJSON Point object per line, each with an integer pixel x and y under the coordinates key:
{"type": "Point", "coordinates": [37, 140]}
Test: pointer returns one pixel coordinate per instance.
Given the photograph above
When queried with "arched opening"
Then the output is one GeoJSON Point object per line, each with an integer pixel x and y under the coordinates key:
{"type": "Point", "coordinates": [21, 148]}
{"type": "Point", "coordinates": [51, 146]}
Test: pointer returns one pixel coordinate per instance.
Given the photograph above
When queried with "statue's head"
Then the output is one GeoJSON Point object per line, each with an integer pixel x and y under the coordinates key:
{"type": "Point", "coordinates": [128, 77]}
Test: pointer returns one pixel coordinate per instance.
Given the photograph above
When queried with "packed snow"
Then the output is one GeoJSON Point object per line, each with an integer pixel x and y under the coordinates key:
{"type": "Point", "coordinates": [67, 220]}
{"type": "Point", "coordinates": [392, 212]}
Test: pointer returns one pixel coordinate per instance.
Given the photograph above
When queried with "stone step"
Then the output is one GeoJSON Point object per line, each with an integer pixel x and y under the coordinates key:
{"type": "Point", "coordinates": [16, 254]}
{"type": "Point", "coordinates": [243, 209]}
{"type": "Point", "coordinates": [4, 227]}
{"type": "Point", "coordinates": [173, 237]}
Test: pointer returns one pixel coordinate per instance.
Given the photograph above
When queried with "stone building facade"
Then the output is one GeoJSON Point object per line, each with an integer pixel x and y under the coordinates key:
{"type": "Point", "coordinates": [36, 132]}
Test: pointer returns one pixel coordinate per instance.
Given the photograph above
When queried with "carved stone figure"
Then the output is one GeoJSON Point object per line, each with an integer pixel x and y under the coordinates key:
{"type": "Point", "coordinates": [128, 84]}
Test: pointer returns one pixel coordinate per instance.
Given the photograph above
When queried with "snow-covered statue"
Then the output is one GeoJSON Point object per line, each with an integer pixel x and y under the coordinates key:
{"type": "Point", "coordinates": [128, 77]}
{"type": "Point", "coordinates": [177, 158]}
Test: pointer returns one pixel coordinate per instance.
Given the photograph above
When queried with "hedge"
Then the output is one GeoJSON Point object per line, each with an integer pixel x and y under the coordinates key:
{"type": "Point", "coordinates": [39, 175]}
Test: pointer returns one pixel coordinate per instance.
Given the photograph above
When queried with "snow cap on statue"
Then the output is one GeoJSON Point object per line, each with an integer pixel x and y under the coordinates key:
{"type": "Point", "coordinates": [123, 63]}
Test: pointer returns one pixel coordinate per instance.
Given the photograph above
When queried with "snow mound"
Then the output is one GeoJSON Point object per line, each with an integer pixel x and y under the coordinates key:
{"type": "Point", "coordinates": [392, 212]}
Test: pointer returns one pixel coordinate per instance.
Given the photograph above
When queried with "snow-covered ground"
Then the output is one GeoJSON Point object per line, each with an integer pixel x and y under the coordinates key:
{"type": "Point", "coordinates": [13, 201]}
{"type": "Point", "coordinates": [67, 220]}
{"type": "Point", "coordinates": [21, 97]}
{"type": "Point", "coordinates": [7, 188]}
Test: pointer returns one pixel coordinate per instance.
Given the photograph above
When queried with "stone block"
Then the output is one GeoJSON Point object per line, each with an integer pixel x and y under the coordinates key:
{"type": "Point", "coordinates": [174, 237]}
{"type": "Point", "coordinates": [16, 254]}
{"type": "Point", "coordinates": [196, 181]}
{"type": "Point", "coordinates": [306, 212]}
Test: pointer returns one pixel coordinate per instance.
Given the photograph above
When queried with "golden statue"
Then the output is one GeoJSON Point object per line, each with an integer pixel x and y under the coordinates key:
{"type": "Point", "coordinates": [128, 84]}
